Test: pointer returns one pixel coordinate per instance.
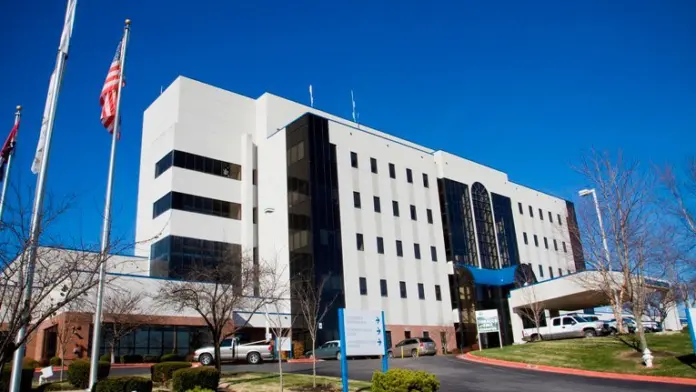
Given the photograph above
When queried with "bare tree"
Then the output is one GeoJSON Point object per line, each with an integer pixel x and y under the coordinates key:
{"type": "Point", "coordinates": [682, 203]}
{"type": "Point", "coordinates": [280, 323]}
{"type": "Point", "coordinates": [65, 332]}
{"type": "Point", "coordinates": [219, 292]}
{"type": "Point", "coordinates": [658, 303]}
{"type": "Point", "coordinates": [534, 309]}
{"type": "Point", "coordinates": [124, 312]}
{"type": "Point", "coordinates": [313, 309]}
{"type": "Point", "coordinates": [60, 276]}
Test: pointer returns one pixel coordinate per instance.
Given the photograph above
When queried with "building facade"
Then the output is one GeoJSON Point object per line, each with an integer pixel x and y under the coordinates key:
{"type": "Point", "coordinates": [424, 235]}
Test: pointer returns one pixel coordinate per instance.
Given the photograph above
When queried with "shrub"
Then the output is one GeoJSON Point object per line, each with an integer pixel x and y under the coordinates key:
{"type": "Point", "coordinates": [162, 372]}
{"type": "Point", "coordinates": [78, 372]}
{"type": "Point", "coordinates": [124, 384]}
{"type": "Point", "coordinates": [685, 329]}
{"type": "Point", "coordinates": [298, 349]}
{"type": "Point", "coordinates": [27, 377]}
{"type": "Point", "coordinates": [55, 361]}
{"type": "Point", "coordinates": [404, 380]}
{"type": "Point", "coordinates": [107, 358]}
{"type": "Point", "coordinates": [202, 377]}
{"type": "Point", "coordinates": [54, 386]}
{"type": "Point", "coordinates": [135, 358]}
{"type": "Point", "coordinates": [172, 358]}
{"type": "Point", "coordinates": [30, 362]}
{"type": "Point", "coordinates": [151, 358]}
{"type": "Point", "coordinates": [199, 389]}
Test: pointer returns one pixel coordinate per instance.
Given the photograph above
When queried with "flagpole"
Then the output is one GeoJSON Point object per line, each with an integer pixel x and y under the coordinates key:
{"type": "Point", "coordinates": [37, 209]}
{"type": "Point", "coordinates": [106, 226]}
{"type": "Point", "coordinates": [5, 180]}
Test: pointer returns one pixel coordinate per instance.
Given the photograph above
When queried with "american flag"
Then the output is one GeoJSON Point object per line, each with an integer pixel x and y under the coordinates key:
{"type": "Point", "coordinates": [109, 93]}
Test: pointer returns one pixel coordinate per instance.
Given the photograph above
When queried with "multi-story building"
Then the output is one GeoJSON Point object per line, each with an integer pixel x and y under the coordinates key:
{"type": "Point", "coordinates": [424, 235]}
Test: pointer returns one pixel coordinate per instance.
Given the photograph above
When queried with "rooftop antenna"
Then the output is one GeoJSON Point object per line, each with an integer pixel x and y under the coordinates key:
{"type": "Point", "coordinates": [161, 89]}
{"type": "Point", "coordinates": [352, 98]}
{"type": "Point", "coordinates": [311, 96]}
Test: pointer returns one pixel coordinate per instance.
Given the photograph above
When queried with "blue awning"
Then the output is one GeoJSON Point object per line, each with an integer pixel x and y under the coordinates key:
{"type": "Point", "coordinates": [492, 277]}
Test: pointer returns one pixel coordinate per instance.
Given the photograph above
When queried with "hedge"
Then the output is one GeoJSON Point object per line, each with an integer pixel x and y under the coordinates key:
{"type": "Point", "coordinates": [162, 372]}
{"type": "Point", "coordinates": [404, 380]}
{"type": "Point", "coordinates": [202, 377]}
{"type": "Point", "coordinates": [107, 358]}
{"type": "Point", "coordinates": [123, 384]}
{"type": "Point", "coordinates": [172, 358]}
{"type": "Point", "coordinates": [151, 359]}
{"type": "Point", "coordinates": [25, 384]}
{"type": "Point", "coordinates": [78, 372]}
{"type": "Point", "coordinates": [55, 361]}
{"type": "Point", "coordinates": [199, 389]}
{"type": "Point", "coordinates": [132, 358]}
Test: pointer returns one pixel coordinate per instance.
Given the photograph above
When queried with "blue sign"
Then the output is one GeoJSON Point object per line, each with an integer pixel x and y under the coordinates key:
{"type": "Point", "coordinates": [362, 334]}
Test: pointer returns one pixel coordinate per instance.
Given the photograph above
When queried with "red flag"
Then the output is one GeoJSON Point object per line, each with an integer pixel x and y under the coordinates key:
{"type": "Point", "coordinates": [7, 149]}
{"type": "Point", "coordinates": [109, 93]}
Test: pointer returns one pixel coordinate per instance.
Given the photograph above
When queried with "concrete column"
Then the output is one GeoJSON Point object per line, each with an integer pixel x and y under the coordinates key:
{"type": "Point", "coordinates": [671, 321]}
{"type": "Point", "coordinates": [517, 327]}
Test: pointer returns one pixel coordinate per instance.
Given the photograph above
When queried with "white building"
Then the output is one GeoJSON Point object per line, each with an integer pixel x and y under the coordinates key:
{"type": "Point", "coordinates": [380, 215]}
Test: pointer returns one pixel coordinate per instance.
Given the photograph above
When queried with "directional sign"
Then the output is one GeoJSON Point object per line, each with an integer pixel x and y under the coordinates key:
{"type": "Point", "coordinates": [364, 332]}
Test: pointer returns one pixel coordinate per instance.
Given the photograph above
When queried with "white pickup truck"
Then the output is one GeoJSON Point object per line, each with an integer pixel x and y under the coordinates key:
{"type": "Point", "coordinates": [563, 327]}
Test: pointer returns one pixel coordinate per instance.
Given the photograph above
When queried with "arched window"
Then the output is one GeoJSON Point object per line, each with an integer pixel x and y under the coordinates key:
{"type": "Point", "coordinates": [483, 215]}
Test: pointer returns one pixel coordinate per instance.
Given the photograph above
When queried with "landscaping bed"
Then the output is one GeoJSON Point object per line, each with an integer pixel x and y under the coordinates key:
{"type": "Point", "coordinates": [267, 382]}
{"type": "Point", "coordinates": [673, 354]}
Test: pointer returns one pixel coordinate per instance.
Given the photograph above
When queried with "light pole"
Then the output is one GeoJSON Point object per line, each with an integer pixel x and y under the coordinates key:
{"type": "Point", "coordinates": [592, 191]}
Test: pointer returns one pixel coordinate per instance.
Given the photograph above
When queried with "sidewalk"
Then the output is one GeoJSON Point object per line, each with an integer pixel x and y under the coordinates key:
{"type": "Point", "coordinates": [577, 372]}
{"type": "Point", "coordinates": [113, 366]}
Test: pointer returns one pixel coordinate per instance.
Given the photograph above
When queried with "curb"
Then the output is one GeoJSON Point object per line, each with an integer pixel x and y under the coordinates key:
{"type": "Point", "coordinates": [577, 372]}
{"type": "Point", "coordinates": [113, 366]}
{"type": "Point", "coordinates": [303, 360]}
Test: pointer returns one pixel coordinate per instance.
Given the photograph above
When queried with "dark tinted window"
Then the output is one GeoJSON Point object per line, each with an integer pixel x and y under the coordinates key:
{"type": "Point", "coordinates": [399, 249]}
{"type": "Point", "coordinates": [356, 199]}
{"type": "Point", "coordinates": [359, 241]}
{"type": "Point", "coordinates": [426, 339]}
{"type": "Point", "coordinates": [395, 207]}
{"type": "Point", "coordinates": [175, 257]}
{"type": "Point", "coordinates": [416, 251]}
{"type": "Point", "coordinates": [425, 181]}
{"type": "Point", "coordinates": [421, 291]}
{"type": "Point", "coordinates": [413, 212]}
{"type": "Point", "coordinates": [203, 164]}
{"type": "Point", "coordinates": [560, 222]}
{"type": "Point", "coordinates": [165, 163]}
{"type": "Point", "coordinates": [363, 286]}
{"type": "Point", "coordinates": [409, 176]}
{"type": "Point", "coordinates": [373, 165]}
{"type": "Point", "coordinates": [560, 272]}
{"type": "Point", "coordinates": [541, 214]}
{"type": "Point", "coordinates": [378, 207]}
{"type": "Point", "coordinates": [483, 217]}
{"type": "Point", "coordinates": [519, 206]}
{"type": "Point", "coordinates": [433, 253]}
{"type": "Point", "coordinates": [353, 159]}
{"type": "Point", "coordinates": [564, 247]}
{"type": "Point", "coordinates": [536, 240]}
{"type": "Point", "coordinates": [392, 171]}
{"type": "Point", "coordinates": [531, 211]}
{"type": "Point", "coordinates": [550, 272]}
{"type": "Point", "coordinates": [555, 245]}
{"type": "Point", "coordinates": [429, 214]}
{"type": "Point", "coordinates": [524, 236]}
{"type": "Point", "coordinates": [546, 243]}
{"type": "Point", "coordinates": [556, 322]}
{"type": "Point", "coordinates": [380, 245]}
{"type": "Point", "coordinates": [197, 204]}
{"type": "Point", "coordinates": [457, 222]}
{"type": "Point", "coordinates": [541, 271]}
{"type": "Point", "coordinates": [438, 293]}
{"type": "Point", "coordinates": [402, 289]}
{"type": "Point", "coordinates": [383, 287]}
{"type": "Point", "coordinates": [550, 217]}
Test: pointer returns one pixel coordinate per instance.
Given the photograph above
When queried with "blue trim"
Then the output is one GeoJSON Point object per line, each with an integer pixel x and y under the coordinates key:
{"type": "Point", "coordinates": [344, 361]}
{"type": "Point", "coordinates": [492, 277]}
{"type": "Point", "coordinates": [692, 329]}
{"type": "Point", "coordinates": [385, 360]}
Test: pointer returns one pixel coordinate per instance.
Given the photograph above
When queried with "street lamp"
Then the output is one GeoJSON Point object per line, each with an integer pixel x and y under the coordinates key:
{"type": "Point", "coordinates": [586, 192]}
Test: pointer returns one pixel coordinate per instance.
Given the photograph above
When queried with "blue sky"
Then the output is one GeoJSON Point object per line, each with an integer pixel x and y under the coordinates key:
{"type": "Point", "coordinates": [525, 87]}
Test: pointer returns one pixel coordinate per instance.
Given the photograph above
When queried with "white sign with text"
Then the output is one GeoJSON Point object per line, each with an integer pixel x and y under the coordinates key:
{"type": "Point", "coordinates": [363, 332]}
{"type": "Point", "coordinates": [487, 321]}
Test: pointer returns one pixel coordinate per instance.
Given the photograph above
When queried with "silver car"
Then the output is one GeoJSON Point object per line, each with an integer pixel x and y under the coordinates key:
{"type": "Point", "coordinates": [231, 350]}
{"type": "Point", "coordinates": [413, 347]}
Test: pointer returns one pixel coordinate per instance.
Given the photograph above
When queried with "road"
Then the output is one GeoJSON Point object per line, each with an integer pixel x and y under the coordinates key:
{"type": "Point", "coordinates": [456, 375]}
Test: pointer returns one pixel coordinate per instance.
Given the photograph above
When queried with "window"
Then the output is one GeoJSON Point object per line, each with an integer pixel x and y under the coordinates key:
{"type": "Point", "coordinates": [560, 222]}
{"type": "Point", "coordinates": [163, 164]}
{"type": "Point", "coordinates": [546, 243]}
{"type": "Point", "coordinates": [373, 165]}
{"type": "Point", "coordinates": [399, 249]}
{"type": "Point", "coordinates": [383, 287]}
{"type": "Point", "coordinates": [392, 171]}
{"type": "Point", "coordinates": [426, 336]}
{"type": "Point", "coordinates": [564, 247]}
{"type": "Point", "coordinates": [407, 334]}
{"type": "Point", "coordinates": [541, 214]}
{"type": "Point", "coordinates": [354, 159]}
{"type": "Point", "coordinates": [421, 291]}
{"type": "Point", "coordinates": [531, 211]}
{"type": "Point", "coordinates": [555, 245]}
{"type": "Point", "coordinates": [429, 214]}
{"type": "Point", "coordinates": [359, 241]}
{"type": "Point", "coordinates": [550, 217]}
{"type": "Point", "coordinates": [296, 153]}
{"type": "Point", "coordinates": [416, 251]}
{"type": "Point", "coordinates": [536, 240]}
{"type": "Point", "coordinates": [541, 271]}
{"type": "Point", "coordinates": [438, 293]}
{"type": "Point", "coordinates": [254, 215]}
{"type": "Point", "coordinates": [433, 253]}
{"type": "Point", "coordinates": [413, 213]}
{"type": "Point", "coordinates": [519, 206]}
{"type": "Point", "coordinates": [524, 236]}
{"type": "Point", "coordinates": [568, 321]}
{"type": "Point", "coordinates": [380, 245]}
{"type": "Point", "coordinates": [197, 204]}
{"type": "Point", "coordinates": [395, 207]}
{"type": "Point", "coordinates": [560, 272]}
{"type": "Point", "coordinates": [485, 226]}
{"type": "Point", "coordinates": [425, 181]}
{"type": "Point", "coordinates": [254, 177]}
{"type": "Point", "coordinates": [363, 286]}
{"type": "Point", "coordinates": [402, 289]}
{"type": "Point", "coordinates": [378, 207]}
{"type": "Point", "coordinates": [198, 163]}
{"type": "Point", "coordinates": [356, 199]}
{"type": "Point", "coordinates": [550, 272]}
{"type": "Point", "coordinates": [557, 322]}
{"type": "Point", "coordinates": [409, 176]}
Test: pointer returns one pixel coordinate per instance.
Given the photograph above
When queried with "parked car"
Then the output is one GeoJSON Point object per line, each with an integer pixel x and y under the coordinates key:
{"type": "Point", "coordinates": [563, 327]}
{"type": "Point", "coordinates": [413, 347]}
{"type": "Point", "coordinates": [602, 326]}
{"type": "Point", "coordinates": [648, 325]}
{"type": "Point", "coordinates": [328, 350]}
{"type": "Point", "coordinates": [231, 350]}
{"type": "Point", "coordinates": [628, 322]}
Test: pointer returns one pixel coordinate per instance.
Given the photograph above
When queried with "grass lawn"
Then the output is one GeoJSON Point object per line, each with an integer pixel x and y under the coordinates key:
{"type": "Point", "coordinates": [267, 382]}
{"type": "Point", "coordinates": [674, 354]}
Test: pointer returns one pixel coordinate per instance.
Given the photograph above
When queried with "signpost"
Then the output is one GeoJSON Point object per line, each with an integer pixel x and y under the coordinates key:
{"type": "Point", "coordinates": [363, 333]}
{"type": "Point", "coordinates": [487, 322]}
{"type": "Point", "coordinates": [691, 319]}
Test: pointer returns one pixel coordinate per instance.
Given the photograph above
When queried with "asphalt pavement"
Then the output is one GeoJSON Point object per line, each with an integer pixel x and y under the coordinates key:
{"type": "Point", "coordinates": [456, 375]}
